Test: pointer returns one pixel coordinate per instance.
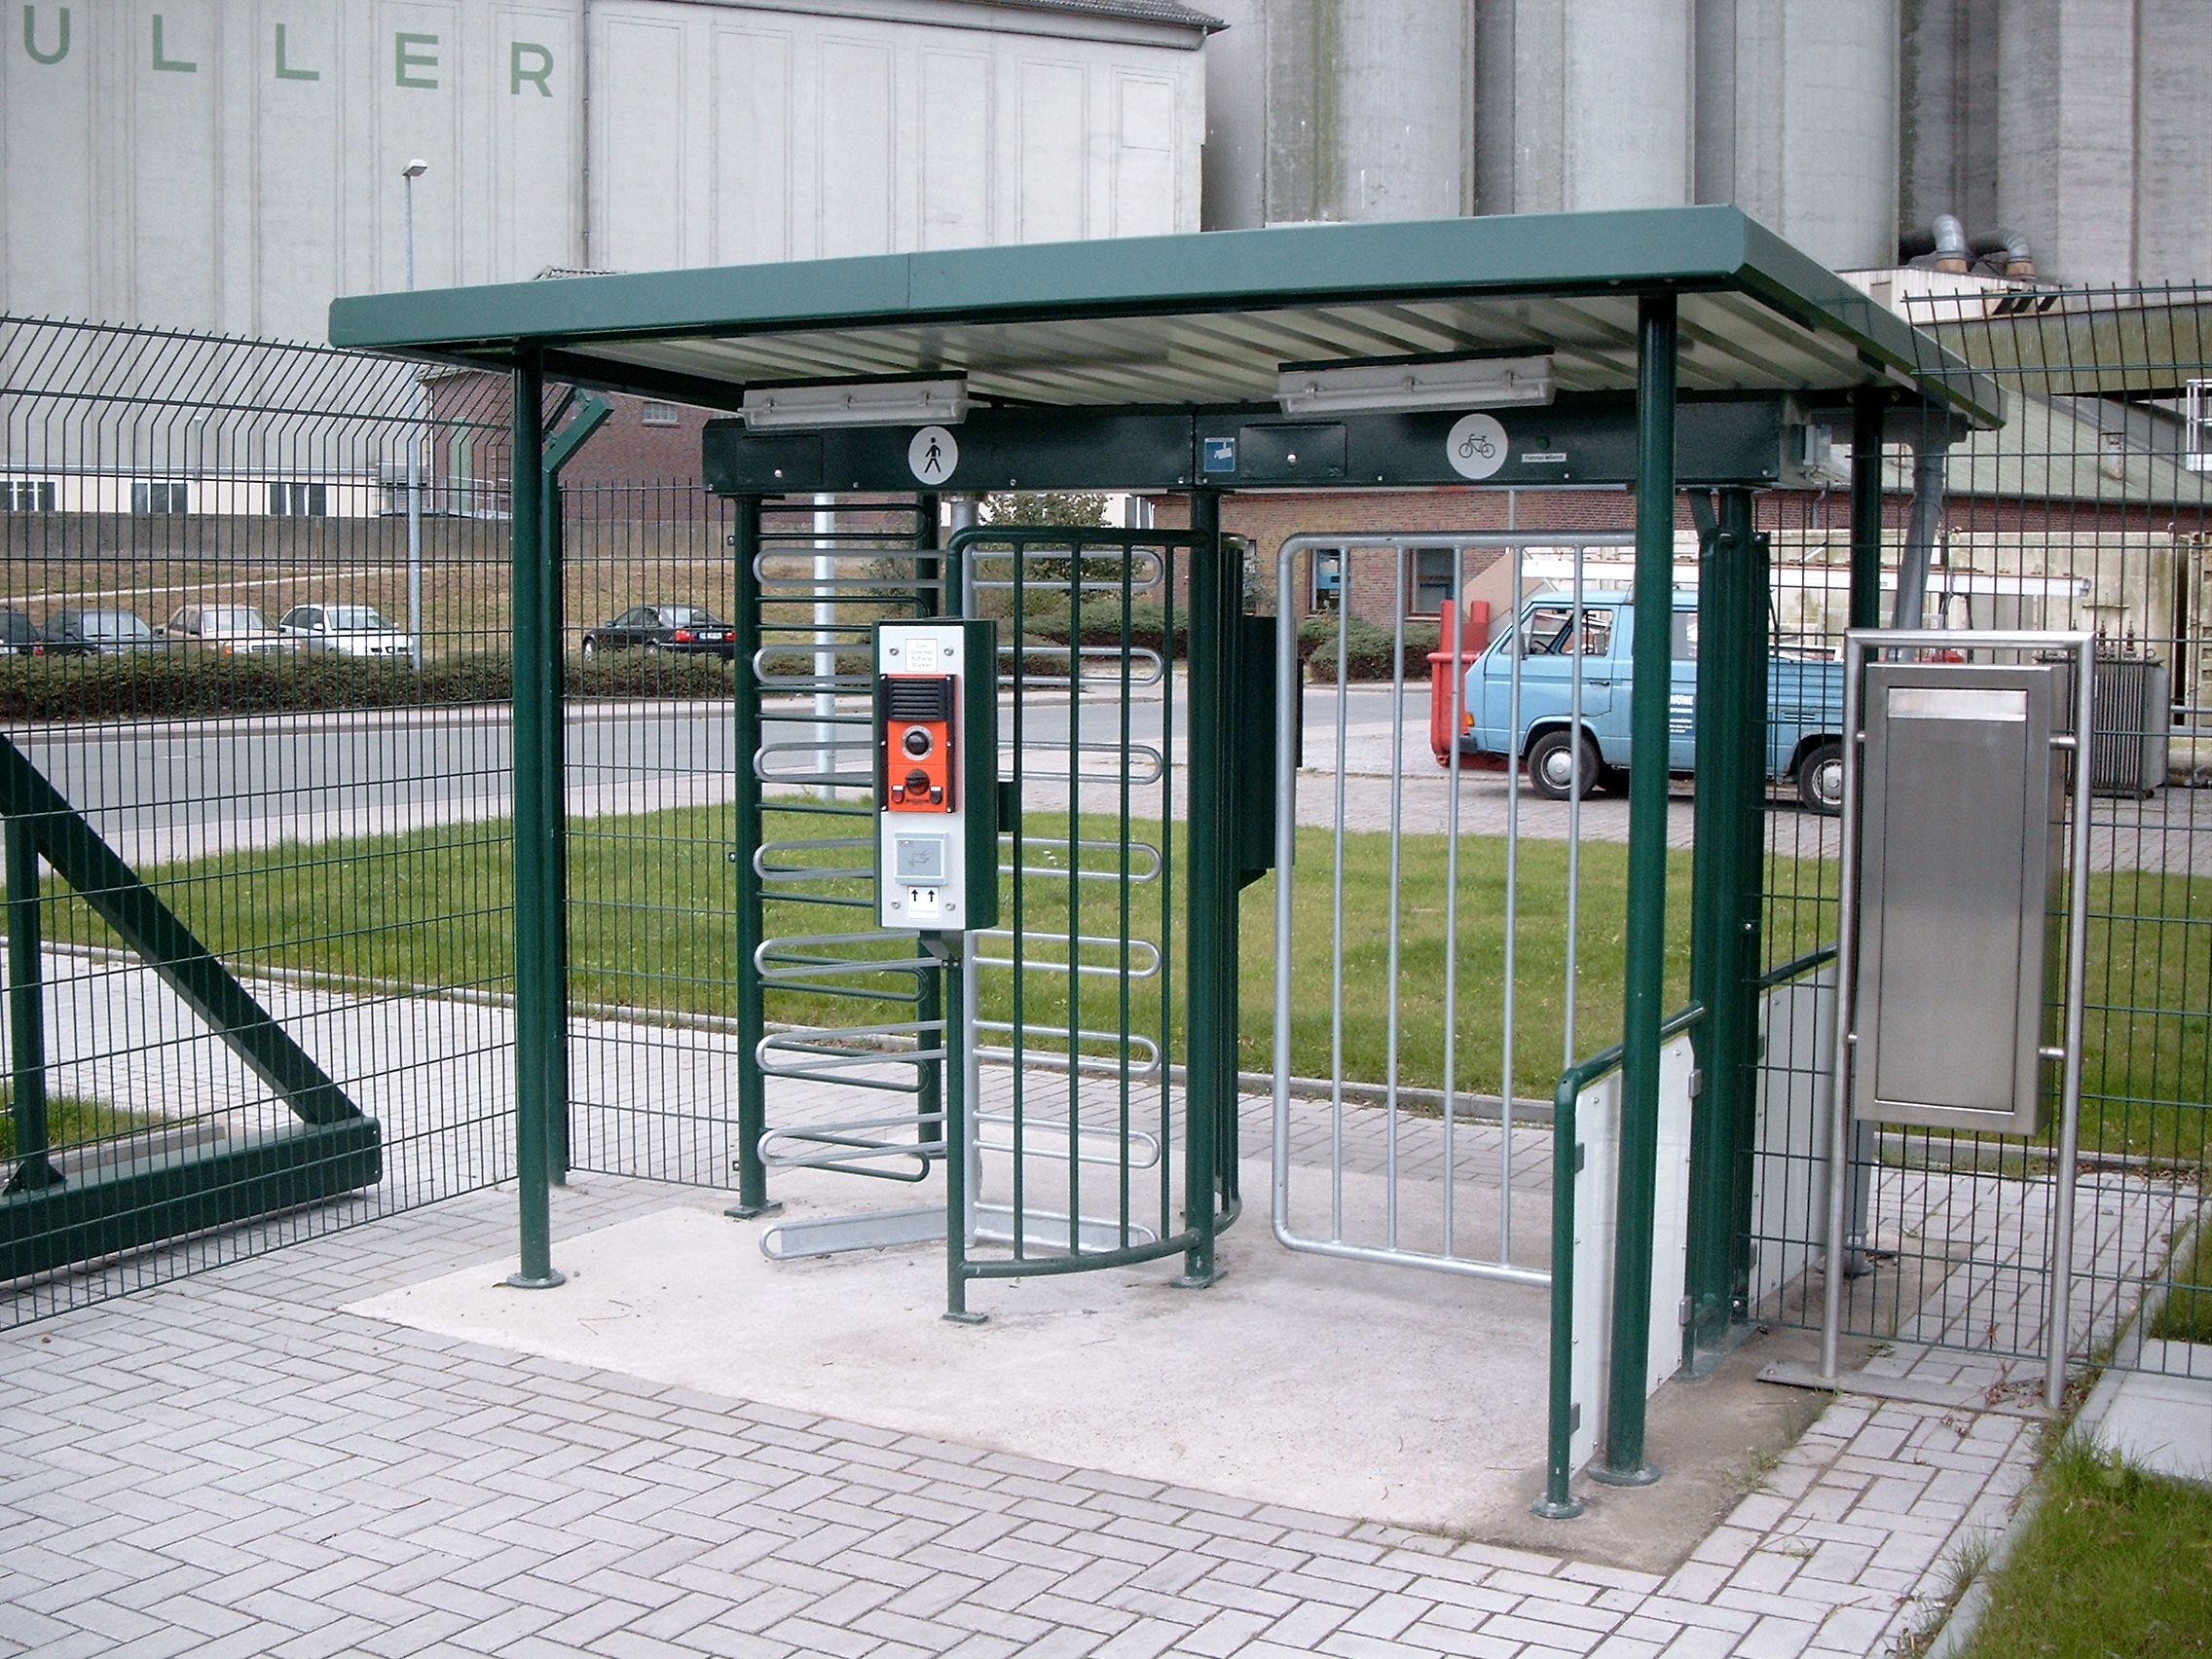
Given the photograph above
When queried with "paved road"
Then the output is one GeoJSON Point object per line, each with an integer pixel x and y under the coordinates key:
{"type": "Point", "coordinates": [162, 790]}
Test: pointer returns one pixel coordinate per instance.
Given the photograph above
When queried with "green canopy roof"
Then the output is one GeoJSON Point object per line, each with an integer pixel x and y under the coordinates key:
{"type": "Point", "coordinates": [1208, 320]}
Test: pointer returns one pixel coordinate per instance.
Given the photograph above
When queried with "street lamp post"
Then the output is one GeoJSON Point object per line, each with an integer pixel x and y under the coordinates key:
{"type": "Point", "coordinates": [414, 170]}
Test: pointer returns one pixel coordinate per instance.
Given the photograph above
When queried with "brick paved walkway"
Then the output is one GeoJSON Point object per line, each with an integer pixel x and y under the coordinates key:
{"type": "Point", "coordinates": [232, 1465]}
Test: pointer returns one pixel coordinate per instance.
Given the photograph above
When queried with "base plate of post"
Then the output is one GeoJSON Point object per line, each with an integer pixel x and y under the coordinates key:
{"type": "Point", "coordinates": [1643, 1475]}
{"type": "Point", "coordinates": [1545, 1509]}
{"type": "Point", "coordinates": [553, 1278]}
{"type": "Point", "coordinates": [754, 1212]}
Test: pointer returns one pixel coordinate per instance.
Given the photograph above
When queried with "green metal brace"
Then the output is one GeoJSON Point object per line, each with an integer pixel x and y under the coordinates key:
{"type": "Point", "coordinates": [591, 412]}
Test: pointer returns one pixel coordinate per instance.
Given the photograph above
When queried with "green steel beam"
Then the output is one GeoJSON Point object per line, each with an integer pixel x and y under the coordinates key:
{"type": "Point", "coordinates": [1644, 955]}
{"type": "Point", "coordinates": [540, 1021]}
{"type": "Point", "coordinates": [752, 911]}
{"type": "Point", "coordinates": [162, 941]}
{"type": "Point", "coordinates": [158, 1198]}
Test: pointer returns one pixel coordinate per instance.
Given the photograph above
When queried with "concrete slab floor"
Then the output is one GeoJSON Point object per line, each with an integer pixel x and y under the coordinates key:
{"type": "Point", "coordinates": [2160, 1417]}
{"type": "Point", "coordinates": [1379, 1394]}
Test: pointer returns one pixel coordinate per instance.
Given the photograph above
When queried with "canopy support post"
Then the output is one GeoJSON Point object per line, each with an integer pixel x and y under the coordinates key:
{"type": "Point", "coordinates": [1645, 965]}
{"type": "Point", "coordinates": [540, 1022]}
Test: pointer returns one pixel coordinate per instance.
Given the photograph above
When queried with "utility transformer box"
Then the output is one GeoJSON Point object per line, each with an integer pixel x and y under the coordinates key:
{"type": "Point", "coordinates": [1960, 893]}
{"type": "Point", "coordinates": [937, 755]}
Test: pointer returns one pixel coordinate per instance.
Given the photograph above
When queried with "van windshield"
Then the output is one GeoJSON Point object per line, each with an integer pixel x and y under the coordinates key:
{"type": "Point", "coordinates": [1549, 631]}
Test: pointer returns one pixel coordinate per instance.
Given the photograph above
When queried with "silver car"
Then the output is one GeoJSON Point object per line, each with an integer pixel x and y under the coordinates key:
{"type": "Point", "coordinates": [238, 629]}
{"type": "Point", "coordinates": [352, 630]}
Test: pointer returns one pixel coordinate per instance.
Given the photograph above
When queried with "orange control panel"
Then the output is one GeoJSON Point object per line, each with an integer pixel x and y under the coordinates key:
{"type": "Point", "coordinates": [916, 763]}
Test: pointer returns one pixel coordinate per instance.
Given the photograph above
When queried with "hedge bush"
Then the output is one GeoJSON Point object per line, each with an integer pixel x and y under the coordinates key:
{"type": "Point", "coordinates": [182, 684]}
{"type": "Point", "coordinates": [1367, 648]}
{"type": "Point", "coordinates": [1100, 624]}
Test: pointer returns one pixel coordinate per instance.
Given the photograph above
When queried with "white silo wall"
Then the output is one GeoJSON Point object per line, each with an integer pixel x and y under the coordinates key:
{"type": "Point", "coordinates": [1340, 110]}
{"type": "Point", "coordinates": [2172, 210]}
{"type": "Point", "coordinates": [1596, 110]}
{"type": "Point", "coordinates": [1798, 119]}
{"type": "Point", "coordinates": [202, 181]}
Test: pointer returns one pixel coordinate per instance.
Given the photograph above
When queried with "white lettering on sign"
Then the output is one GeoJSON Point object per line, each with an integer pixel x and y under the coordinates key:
{"type": "Point", "coordinates": [933, 454]}
{"type": "Point", "coordinates": [1476, 447]}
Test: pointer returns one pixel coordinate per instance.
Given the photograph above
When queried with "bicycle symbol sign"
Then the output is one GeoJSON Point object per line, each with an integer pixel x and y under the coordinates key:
{"type": "Point", "coordinates": [1476, 446]}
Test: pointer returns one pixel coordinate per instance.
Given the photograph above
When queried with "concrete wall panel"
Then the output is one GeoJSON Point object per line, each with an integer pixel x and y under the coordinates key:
{"type": "Point", "coordinates": [1797, 121]}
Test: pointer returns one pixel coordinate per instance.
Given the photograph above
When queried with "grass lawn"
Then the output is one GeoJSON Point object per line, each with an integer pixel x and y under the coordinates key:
{"type": "Point", "coordinates": [2186, 1316]}
{"type": "Point", "coordinates": [71, 1120]}
{"type": "Point", "coordinates": [652, 929]}
{"type": "Point", "coordinates": [2117, 1564]}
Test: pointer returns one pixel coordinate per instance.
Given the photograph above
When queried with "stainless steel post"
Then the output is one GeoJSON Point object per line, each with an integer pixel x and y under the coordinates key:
{"type": "Point", "coordinates": [2059, 1340]}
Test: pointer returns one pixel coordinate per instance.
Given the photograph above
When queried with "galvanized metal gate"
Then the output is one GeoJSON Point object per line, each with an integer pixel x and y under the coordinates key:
{"type": "Point", "coordinates": [1415, 1151]}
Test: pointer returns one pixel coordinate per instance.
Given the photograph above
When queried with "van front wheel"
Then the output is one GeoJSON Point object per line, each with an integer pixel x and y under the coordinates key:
{"type": "Point", "coordinates": [1820, 778]}
{"type": "Point", "coordinates": [1551, 765]}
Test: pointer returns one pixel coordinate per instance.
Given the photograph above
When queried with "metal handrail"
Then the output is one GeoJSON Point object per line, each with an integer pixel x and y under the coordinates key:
{"type": "Point", "coordinates": [1558, 1503]}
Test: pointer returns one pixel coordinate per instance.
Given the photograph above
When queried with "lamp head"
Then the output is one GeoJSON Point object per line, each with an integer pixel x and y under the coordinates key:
{"type": "Point", "coordinates": [414, 169]}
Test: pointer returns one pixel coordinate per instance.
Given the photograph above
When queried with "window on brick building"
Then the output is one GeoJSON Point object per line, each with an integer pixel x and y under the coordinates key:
{"type": "Point", "coordinates": [662, 415]}
{"type": "Point", "coordinates": [1431, 576]}
{"type": "Point", "coordinates": [1328, 578]}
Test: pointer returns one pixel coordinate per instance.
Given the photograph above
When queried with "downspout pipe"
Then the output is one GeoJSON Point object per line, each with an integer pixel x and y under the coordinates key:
{"type": "Point", "coordinates": [1924, 527]}
{"type": "Point", "coordinates": [1945, 237]}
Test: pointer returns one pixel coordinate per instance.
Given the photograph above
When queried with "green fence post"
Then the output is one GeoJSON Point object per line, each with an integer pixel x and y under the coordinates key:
{"type": "Point", "coordinates": [1644, 954]}
{"type": "Point", "coordinates": [1731, 772]}
{"type": "Point", "coordinates": [27, 1012]}
{"type": "Point", "coordinates": [930, 1003]}
{"type": "Point", "coordinates": [539, 1020]}
{"type": "Point", "coordinates": [752, 915]}
{"type": "Point", "coordinates": [557, 888]}
{"type": "Point", "coordinates": [1866, 405]}
{"type": "Point", "coordinates": [1210, 882]}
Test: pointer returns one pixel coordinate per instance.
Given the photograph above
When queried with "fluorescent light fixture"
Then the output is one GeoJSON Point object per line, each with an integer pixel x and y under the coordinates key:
{"type": "Point", "coordinates": [870, 403]}
{"type": "Point", "coordinates": [1460, 383]}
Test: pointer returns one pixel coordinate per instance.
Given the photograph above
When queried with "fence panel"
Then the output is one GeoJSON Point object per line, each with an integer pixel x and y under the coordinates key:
{"type": "Point", "coordinates": [252, 636]}
{"type": "Point", "coordinates": [2088, 509]}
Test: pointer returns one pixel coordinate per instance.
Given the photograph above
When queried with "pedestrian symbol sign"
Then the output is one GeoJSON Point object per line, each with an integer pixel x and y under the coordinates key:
{"type": "Point", "coordinates": [933, 454]}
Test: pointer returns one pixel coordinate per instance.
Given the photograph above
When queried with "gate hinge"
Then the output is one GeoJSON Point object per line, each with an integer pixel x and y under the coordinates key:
{"type": "Point", "coordinates": [1682, 1313]}
{"type": "Point", "coordinates": [1581, 1157]}
{"type": "Point", "coordinates": [1697, 1082]}
{"type": "Point", "coordinates": [1574, 1417]}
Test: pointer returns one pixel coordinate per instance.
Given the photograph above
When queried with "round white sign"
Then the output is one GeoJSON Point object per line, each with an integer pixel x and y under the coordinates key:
{"type": "Point", "coordinates": [1476, 448]}
{"type": "Point", "coordinates": [933, 454]}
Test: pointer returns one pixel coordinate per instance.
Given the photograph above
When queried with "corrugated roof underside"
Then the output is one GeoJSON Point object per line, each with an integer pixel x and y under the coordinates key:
{"type": "Point", "coordinates": [1729, 342]}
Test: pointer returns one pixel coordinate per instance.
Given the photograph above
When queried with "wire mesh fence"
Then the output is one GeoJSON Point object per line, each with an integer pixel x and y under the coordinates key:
{"type": "Point", "coordinates": [253, 628]}
{"type": "Point", "coordinates": [2086, 510]}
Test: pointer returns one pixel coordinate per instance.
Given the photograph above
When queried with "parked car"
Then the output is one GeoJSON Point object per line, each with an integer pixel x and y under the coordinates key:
{"type": "Point", "coordinates": [107, 632]}
{"type": "Point", "coordinates": [238, 629]}
{"type": "Point", "coordinates": [351, 630]}
{"type": "Point", "coordinates": [1804, 701]}
{"type": "Point", "coordinates": [689, 628]}
{"type": "Point", "coordinates": [20, 636]}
